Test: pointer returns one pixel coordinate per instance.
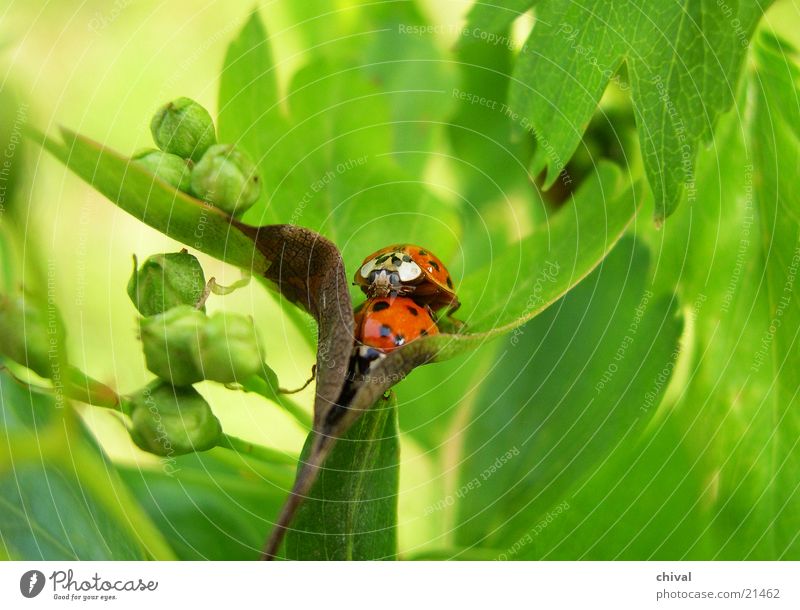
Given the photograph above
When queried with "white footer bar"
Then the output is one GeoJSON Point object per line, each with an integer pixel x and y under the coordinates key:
{"type": "Point", "coordinates": [402, 585]}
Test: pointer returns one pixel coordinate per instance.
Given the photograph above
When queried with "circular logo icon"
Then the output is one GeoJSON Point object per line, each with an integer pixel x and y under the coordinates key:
{"type": "Point", "coordinates": [31, 583]}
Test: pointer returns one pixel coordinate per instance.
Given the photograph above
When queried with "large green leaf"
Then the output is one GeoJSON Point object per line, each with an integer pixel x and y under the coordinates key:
{"type": "Point", "coordinates": [252, 116]}
{"type": "Point", "coordinates": [516, 285]}
{"type": "Point", "coordinates": [683, 60]}
{"type": "Point", "coordinates": [211, 508]}
{"type": "Point", "coordinates": [503, 298]}
{"type": "Point", "coordinates": [571, 388]}
{"type": "Point", "coordinates": [52, 508]}
{"type": "Point", "coordinates": [330, 163]}
{"type": "Point", "coordinates": [387, 43]}
{"type": "Point", "coordinates": [351, 511]}
{"type": "Point", "coordinates": [733, 255]}
{"type": "Point", "coordinates": [774, 138]}
{"type": "Point", "coordinates": [527, 277]}
{"type": "Point", "coordinates": [640, 502]}
{"type": "Point", "coordinates": [491, 164]}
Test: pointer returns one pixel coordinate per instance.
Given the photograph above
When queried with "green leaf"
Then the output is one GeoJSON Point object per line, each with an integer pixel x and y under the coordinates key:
{"type": "Point", "coordinates": [641, 502]}
{"type": "Point", "coordinates": [210, 508]}
{"type": "Point", "coordinates": [774, 139]}
{"type": "Point", "coordinates": [330, 164]}
{"type": "Point", "coordinates": [492, 165]}
{"type": "Point", "coordinates": [45, 515]}
{"type": "Point", "coordinates": [414, 76]}
{"type": "Point", "coordinates": [51, 509]}
{"type": "Point", "coordinates": [155, 202]}
{"type": "Point", "coordinates": [527, 277]}
{"type": "Point", "coordinates": [386, 42]}
{"type": "Point", "coordinates": [517, 286]}
{"type": "Point", "coordinates": [732, 256]}
{"type": "Point", "coordinates": [569, 388]}
{"type": "Point", "coordinates": [252, 117]}
{"type": "Point", "coordinates": [351, 511]}
{"type": "Point", "coordinates": [435, 395]}
{"type": "Point", "coordinates": [496, 15]}
{"type": "Point", "coordinates": [682, 58]}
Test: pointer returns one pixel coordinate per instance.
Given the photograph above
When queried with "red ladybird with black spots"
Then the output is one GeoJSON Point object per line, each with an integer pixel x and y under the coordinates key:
{"type": "Point", "coordinates": [408, 270]}
{"type": "Point", "coordinates": [383, 324]}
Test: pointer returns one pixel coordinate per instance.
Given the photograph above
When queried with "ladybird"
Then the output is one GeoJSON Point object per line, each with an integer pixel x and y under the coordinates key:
{"type": "Point", "coordinates": [407, 270]}
{"type": "Point", "coordinates": [383, 324]}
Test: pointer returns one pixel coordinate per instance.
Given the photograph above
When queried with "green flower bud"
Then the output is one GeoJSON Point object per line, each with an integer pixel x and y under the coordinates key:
{"type": "Point", "coordinates": [165, 281]}
{"type": "Point", "coordinates": [172, 421]}
{"type": "Point", "coordinates": [171, 343]}
{"type": "Point", "coordinates": [184, 128]}
{"type": "Point", "coordinates": [231, 348]}
{"type": "Point", "coordinates": [23, 334]}
{"type": "Point", "coordinates": [172, 169]}
{"type": "Point", "coordinates": [184, 346]}
{"type": "Point", "coordinates": [226, 178]}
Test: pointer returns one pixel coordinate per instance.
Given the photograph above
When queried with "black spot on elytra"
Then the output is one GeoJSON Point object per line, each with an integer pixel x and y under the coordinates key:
{"type": "Point", "coordinates": [434, 264]}
{"type": "Point", "coordinates": [380, 306]}
{"type": "Point", "coordinates": [449, 282]}
{"type": "Point", "coordinates": [422, 253]}
{"type": "Point", "coordinates": [423, 332]}
{"type": "Point", "coordinates": [413, 310]}
{"type": "Point", "coordinates": [385, 330]}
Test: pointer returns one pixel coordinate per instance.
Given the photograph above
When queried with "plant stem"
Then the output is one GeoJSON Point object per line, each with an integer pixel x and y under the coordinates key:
{"type": "Point", "coordinates": [79, 386]}
{"type": "Point", "coordinates": [260, 452]}
{"type": "Point", "coordinates": [263, 387]}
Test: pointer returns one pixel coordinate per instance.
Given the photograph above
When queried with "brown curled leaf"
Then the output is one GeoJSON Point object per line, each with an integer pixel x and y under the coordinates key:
{"type": "Point", "coordinates": [308, 270]}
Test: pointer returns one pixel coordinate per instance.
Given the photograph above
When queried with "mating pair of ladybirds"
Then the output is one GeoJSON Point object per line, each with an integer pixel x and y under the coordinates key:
{"type": "Point", "coordinates": [405, 285]}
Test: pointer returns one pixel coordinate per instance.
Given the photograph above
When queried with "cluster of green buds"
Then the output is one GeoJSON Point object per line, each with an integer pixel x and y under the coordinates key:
{"type": "Point", "coordinates": [191, 160]}
{"type": "Point", "coordinates": [182, 346]}
{"type": "Point", "coordinates": [165, 281]}
{"type": "Point", "coordinates": [172, 169]}
{"type": "Point", "coordinates": [168, 420]}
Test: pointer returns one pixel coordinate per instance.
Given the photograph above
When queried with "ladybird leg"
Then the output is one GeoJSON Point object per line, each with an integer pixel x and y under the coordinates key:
{"type": "Point", "coordinates": [451, 325]}
{"type": "Point", "coordinates": [448, 321]}
{"type": "Point", "coordinates": [454, 305]}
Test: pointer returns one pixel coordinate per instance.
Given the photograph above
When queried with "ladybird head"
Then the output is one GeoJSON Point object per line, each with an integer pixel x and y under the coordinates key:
{"type": "Point", "coordinates": [381, 283]}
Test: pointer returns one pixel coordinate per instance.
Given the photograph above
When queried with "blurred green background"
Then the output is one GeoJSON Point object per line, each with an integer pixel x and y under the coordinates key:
{"type": "Point", "coordinates": [102, 69]}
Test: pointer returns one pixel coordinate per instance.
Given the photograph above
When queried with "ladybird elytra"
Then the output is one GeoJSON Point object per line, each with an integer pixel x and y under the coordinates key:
{"type": "Point", "coordinates": [408, 270]}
